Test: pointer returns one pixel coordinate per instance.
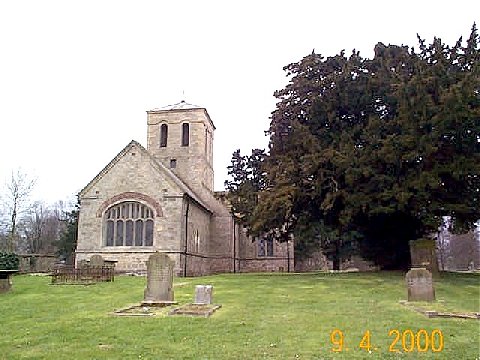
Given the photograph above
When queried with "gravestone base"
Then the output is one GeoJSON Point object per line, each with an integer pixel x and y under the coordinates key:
{"type": "Point", "coordinates": [158, 303]}
{"type": "Point", "coordinates": [204, 310]}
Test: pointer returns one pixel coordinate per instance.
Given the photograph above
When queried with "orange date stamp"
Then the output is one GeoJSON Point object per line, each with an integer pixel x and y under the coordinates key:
{"type": "Point", "coordinates": [401, 341]}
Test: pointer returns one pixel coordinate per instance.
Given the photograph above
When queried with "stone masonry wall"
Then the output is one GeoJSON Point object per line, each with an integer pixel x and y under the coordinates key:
{"type": "Point", "coordinates": [319, 262]}
{"type": "Point", "coordinates": [196, 265]}
{"type": "Point", "coordinates": [32, 263]}
{"type": "Point", "coordinates": [198, 237]}
{"type": "Point", "coordinates": [206, 243]}
{"type": "Point", "coordinates": [265, 265]}
{"type": "Point", "coordinates": [132, 173]}
{"type": "Point", "coordinates": [248, 259]}
{"type": "Point", "coordinates": [131, 261]}
{"type": "Point", "coordinates": [194, 163]}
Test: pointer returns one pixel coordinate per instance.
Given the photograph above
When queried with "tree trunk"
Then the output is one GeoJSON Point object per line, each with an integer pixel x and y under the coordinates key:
{"type": "Point", "coordinates": [336, 257]}
{"type": "Point", "coordinates": [11, 238]}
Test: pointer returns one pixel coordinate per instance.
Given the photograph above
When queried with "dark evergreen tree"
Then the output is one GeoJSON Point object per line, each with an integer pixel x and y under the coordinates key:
{"type": "Point", "coordinates": [247, 179]}
{"type": "Point", "coordinates": [68, 239]}
{"type": "Point", "coordinates": [370, 153]}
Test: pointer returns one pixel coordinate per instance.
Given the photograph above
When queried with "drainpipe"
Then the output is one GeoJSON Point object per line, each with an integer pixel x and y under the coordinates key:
{"type": "Point", "coordinates": [234, 244]}
{"type": "Point", "coordinates": [186, 239]}
{"type": "Point", "coordinates": [288, 255]}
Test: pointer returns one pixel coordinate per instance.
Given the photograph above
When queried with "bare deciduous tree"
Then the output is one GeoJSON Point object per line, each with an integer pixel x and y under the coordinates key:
{"type": "Point", "coordinates": [41, 227]}
{"type": "Point", "coordinates": [16, 202]}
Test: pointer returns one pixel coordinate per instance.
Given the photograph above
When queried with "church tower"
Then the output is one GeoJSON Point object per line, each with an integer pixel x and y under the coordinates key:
{"type": "Point", "coordinates": [180, 136]}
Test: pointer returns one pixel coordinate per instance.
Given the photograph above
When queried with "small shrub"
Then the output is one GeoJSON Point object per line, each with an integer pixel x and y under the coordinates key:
{"type": "Point", "coordinates": [9, 261]}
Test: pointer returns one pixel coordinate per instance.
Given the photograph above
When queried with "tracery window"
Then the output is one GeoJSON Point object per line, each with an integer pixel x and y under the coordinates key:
{"type": "Point", "coordinates": [129, 223]}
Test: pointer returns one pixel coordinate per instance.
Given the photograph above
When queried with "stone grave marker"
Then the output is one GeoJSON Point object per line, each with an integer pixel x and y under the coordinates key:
{"type": "Point", "coordinates": [159, 290]}
{"type": "Point", "coordinates": [422, 254]}
{"type": "Point", "coordinates": [203, 294]}
{"type": "Point", "coordinates": [82, 264]}
{"type": "Point", "coordinates": [6, 280]}
{"type": "Point", "coordinates": [420, 285]}
{"type": "Point", "coordinates": [97, 261]}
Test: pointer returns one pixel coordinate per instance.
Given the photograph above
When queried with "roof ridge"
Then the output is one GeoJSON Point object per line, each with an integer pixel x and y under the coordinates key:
{"type": "Point", "coordinates": [157, 163]}
{"type": "Point", "coordinates": [182, 105]}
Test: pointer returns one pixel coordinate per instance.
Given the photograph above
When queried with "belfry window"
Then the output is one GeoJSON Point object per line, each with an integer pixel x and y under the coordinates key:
{"type": "Point", "coordinates": [185, 134]}
{"type": "Point", "coordinates": [163, 135]}
{"type": "Point", "coordinates": [128, 224]}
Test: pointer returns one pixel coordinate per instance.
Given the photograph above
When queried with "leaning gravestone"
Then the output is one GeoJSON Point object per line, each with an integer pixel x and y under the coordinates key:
{"type": "Point", "coordinates": [159, 289]}
{"type": "Point", "coordinates": [420, 285]}
{"type": "Point", "coordinates": [203, 294]}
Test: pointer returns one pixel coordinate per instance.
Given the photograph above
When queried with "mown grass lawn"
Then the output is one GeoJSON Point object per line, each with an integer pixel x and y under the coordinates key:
{"type": "Point", "coordinates": [264, 316]}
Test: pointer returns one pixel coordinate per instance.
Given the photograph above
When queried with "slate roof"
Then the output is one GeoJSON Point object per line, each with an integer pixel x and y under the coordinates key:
{"type": "Point", "coordinates": [184, 187]}
{"type": "Point", "coordinates": [182, 105]}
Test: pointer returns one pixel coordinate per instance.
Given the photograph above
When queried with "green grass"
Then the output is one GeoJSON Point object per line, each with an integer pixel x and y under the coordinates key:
{"type": "Point", "coordinates": [264, 316]}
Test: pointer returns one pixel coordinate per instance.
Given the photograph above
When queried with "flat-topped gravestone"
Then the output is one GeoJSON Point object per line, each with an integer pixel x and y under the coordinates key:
{"type": "Point", "coordinates": [82, 264]}
{"type": "Point", "coordinates": [422, 254]}
{"type": "Point", "coordinates": [203, 294]}
{"type": "Point", "coordinates": [159, 289]}
{"type": "Point", "coordinates": [6, 280]}
{"type": "Point", "coordinates": [420, 285]}
{"type": "Point", "coordinates": [97, 261]}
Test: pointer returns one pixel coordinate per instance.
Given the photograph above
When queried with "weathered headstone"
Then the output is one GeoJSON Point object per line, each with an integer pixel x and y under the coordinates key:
{"type": "Point", "coordinates": [82, 264]}
{"type": "Point", "coordinates": [420, 285]}
{"type": "Point", "coordinates": [97, 261]}
{"type": "Point", "coordinates": [203, 294]}
{"type": "Point", "coordinates": [159, 289]}
{"type": "Point", "coordinates": [6, 280]}
{"type": "Point", "coordinates": [423, 254]}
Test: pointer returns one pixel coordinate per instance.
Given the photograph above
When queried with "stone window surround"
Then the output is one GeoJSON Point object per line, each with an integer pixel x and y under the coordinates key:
{"type": "Point", "coordinates": [131, 196]}
{"type": "Point", "coordinates": [185, 134]}
{"type": "Point", "coordinates": [163, 135]}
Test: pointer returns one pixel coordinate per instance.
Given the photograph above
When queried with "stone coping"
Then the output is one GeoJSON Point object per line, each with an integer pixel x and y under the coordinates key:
{"type": "Point", "coordinates": [439, 314]}
{"type": "Point", "coordinates": [158, 303]}
{"type": "Point", "coordinates": [205, 310]}
{"type": "Point", "coordinates": [141, 310]}
{"type": "Point", "coordinates": [6, 274]}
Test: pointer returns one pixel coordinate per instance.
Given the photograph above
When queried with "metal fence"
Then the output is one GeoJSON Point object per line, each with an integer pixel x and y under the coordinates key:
{"type": "Point", "coordinates": [84, 275]}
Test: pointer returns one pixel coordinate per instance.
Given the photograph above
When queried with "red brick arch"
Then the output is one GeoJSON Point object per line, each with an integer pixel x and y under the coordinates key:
{"type": "Point", "coordinates": [133, 196]}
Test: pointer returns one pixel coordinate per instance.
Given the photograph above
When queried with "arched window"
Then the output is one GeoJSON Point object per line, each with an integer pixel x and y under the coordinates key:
{"type": "Point", "coordinates": [185, 134]}
{"type": "Point", "coordinates": [129, 223]}
{"type": "Point", "coordinates": [163, 135]}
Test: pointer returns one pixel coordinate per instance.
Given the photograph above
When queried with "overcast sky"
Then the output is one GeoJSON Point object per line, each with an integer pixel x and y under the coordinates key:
{"type": "Point", "coordinates": [77, 77]}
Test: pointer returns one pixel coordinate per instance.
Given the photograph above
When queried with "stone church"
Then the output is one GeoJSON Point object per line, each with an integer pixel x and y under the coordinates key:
{"type": "Point", "coordinates": [161, 199]}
